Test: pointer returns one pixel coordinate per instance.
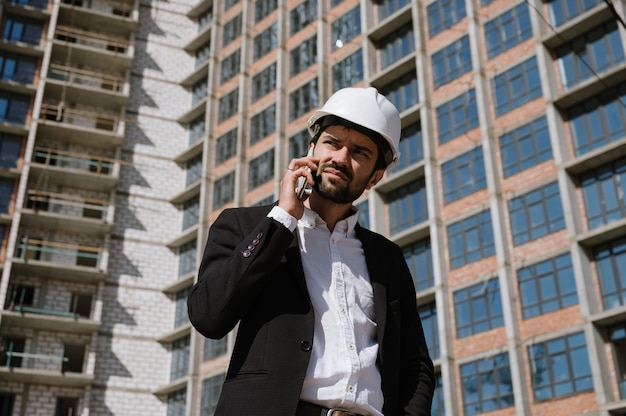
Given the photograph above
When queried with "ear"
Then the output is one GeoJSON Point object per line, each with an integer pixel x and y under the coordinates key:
{"type": "Point", "coordinates": [375, 178]}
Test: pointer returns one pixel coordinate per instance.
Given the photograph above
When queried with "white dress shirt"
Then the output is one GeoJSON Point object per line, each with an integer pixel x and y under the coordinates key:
{"type": "Point", "coordinates": [342, 370]}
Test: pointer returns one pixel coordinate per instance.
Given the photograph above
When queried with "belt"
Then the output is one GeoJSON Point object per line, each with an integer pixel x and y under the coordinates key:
{"type": "Point", "coordinates": [310, 409]}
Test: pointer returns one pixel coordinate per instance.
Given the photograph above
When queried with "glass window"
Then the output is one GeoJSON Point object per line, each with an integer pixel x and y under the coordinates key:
{"type": "Point", "coordinates": [396, 45]}
{"type": "Point", "coordinates": [411, 147]}
{"type": "Point", "coordinates": [478, 308]}
{"type": "Point", "coordinates": [452, 61]}
{"type": "Point", "coordinates": [547, 286]}
{"type": "Point", "coordinates": [199, 91]}
{"type": "Point", "coordinates": [303, 56]}
{"type": "Point", "coordinates": [388, 7]}
{"type": "Point", "coordinates": [6, 193]}
{"type": "Point", "coordinates": [197, 127]}
{"type": "Point", "coordinates": [589, 55]}
{"type": "Point", "coordinates": [180, 359]}
{"type": "Point", "coordinates": [232, 30]}
{"type": "Point", "coordinates": [617, 337]}
{"type": "Point", "coordinates": [181, 316]}
{"type": "Point", "coordinates": [187, 258]}
{"type": "Point", "coordinates": [407, 206]}
{"type": "Point", "coordinates": [536, 214]}
{"type": "Point", "coordinates": [264, 82]}
{"type": "Point", "coordinates": [599, 120]}
{"type": "Point", "coordinates": [224, 190]}
{"type": "Point", "coordinates": [265, 42]}
{"type": "Point", "coordinates": [525, 147]}
{"type": "Point", "coordinates": [226, 146]}
{"type": "Point", "coordinates": [205, 19]}
{"type": "Point", "coordinates": [193, 169]}
{"type": "Point", "coordinates": [403, 92]}
{"type": "Point", "coordinates": [438, 406]}
{"type": "Point", "coordinates": [13, 107]}
{"type": "Point", "coordinates": [176, 403]}
{"type": "Point", "coordinates": [263, 8]}
{"type": "Point", "coordinates": [230, 66]}
{"type": "Point", "coordinates": [263, 124]}
{"type": "Point", "coordinates": [191, 212]}
{"type": "Point", "coordinates": [348, 72]}
{"type": "Point", "coordinates": [228, 105]}
{"type": "Point", "coordinates": [560, 367]}
{"type": "Point", "coordinates": [299, 144]}
{"type": "Point", "coordinates": [561, 11]}
{"type": "Point", "coordinates": [487, 385]}
{"type": "Point", "coordinates": [346, 28]}
{"type": "Point", "coordinates": [517, 86]}
{"type": "Point", "coordinates": [444, 13]}
{"type": "Point", "coordinates": [610, 259]}
{"type": "Point", "coordinates": [604, 193]}
{"type": "Point", "coordinates": [261, 169]}
{"type": "Point", "coordinates": [508, 29]}
{"type": "Point", "coordinates": [470, 239]}
{"type": "Point", "coordinates": [214, 348]}
{"type": "Point", "coordinates": [17, 68]}
{"type": "Point", "coordinates": [202, 54]}
{"type": "Point", "coordinates": [211, 389]}
{"type": "Point", "coordinates": [302, 100]}
{"type": "Point", "coordinates": [457, 116]}
{"type": "Point", "coordinates": [302, 15]}
{"type": "Point", "coordinates": [21, 29]}
{"type": "Point", "coordinates": [10, 148]}
{"type": "Point", "coordinates": [428, 316]}
{"type": "Point", "coordinates": [463, 175]}
{"type": "Point", "coordinates": [418, 257]}
{"type": "Point", "coordinates": [230, 3]}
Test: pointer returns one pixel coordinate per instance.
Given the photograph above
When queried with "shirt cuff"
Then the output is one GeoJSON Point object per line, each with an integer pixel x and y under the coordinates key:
{"type": "Point", "coordinates": [283, 217]}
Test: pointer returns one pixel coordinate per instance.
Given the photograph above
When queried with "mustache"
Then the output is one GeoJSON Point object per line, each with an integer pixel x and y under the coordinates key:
{"type": "Point", "coordinates": [335, 166]}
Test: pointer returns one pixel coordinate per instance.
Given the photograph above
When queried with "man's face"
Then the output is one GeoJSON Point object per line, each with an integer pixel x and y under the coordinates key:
{"type": "Point", "coordinates": [347, 164]}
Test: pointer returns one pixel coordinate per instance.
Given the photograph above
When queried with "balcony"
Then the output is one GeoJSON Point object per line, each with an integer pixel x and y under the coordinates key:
{"type": "Point", "coordinates": [47, 369]}
{"type": "Point", "coordinates": [48, 320]}
{"type": "Point", "coordinates": [76, 170]}
{"type": "Point", "coordinates": [113, 13]}
{"type": "Point", "coordinates": [68, 212]}
{"type": "Point", "coordinates": [61, 261]}
{"type": "Point", "coordinates": [92, 49]}
{"type": "Point", "coordinates": [80, 85]}
{"type": "Point", "coordinates": [92, 128]}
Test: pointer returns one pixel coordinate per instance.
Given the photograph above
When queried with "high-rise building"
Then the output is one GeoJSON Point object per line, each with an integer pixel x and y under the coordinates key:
{"type": "Point", "coordinates": [126, 126]}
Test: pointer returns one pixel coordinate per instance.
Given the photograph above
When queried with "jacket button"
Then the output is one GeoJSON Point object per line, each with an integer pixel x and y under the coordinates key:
{"type": "Point", "coordinates": [246, 253]}
{"type": "Point", "coordinates": [305, 346]}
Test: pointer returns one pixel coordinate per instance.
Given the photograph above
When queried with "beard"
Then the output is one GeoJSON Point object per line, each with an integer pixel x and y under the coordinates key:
{"type": "Point", "coordinates": [339, 192]}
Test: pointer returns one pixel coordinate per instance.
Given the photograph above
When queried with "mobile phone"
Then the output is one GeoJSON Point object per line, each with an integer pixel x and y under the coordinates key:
{"type": "Point", "coordinates": [303, 189]}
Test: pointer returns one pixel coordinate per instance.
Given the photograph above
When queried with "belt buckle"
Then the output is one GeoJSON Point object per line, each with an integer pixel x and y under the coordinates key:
{"type": "Point", "coordinates": [331, 412]}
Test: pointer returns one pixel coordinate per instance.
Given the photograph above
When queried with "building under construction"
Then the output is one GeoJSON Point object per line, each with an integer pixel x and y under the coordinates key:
{"type": "Point", "coordinates": [126, 126]}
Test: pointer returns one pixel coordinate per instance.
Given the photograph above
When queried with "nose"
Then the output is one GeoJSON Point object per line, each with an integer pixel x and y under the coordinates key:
{"type": "Point", "coordinates": [341, 156]}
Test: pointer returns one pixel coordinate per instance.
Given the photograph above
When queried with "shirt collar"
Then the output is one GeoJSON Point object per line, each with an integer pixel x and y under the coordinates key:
{"type": "Point", "coordinates": [311, 219]}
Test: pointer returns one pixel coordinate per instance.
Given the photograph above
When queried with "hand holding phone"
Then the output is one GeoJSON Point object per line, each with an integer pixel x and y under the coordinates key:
{"type": "Point", "coordinates": [303, 189]}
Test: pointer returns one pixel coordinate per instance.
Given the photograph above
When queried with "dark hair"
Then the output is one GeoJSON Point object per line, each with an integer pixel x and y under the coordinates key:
{"type": "Point", "coordinates": [385, 153]}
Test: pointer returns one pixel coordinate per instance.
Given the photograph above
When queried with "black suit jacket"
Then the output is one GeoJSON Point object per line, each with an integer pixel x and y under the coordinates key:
{"type": "Point", "coordinates": [251, 274]}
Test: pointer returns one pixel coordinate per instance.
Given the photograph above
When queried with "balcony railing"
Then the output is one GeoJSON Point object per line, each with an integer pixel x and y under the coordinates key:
{"type": "Point", "coordinates": [117, 8]}
{"type": "Point", "coordinates": [78, 161]}
{"type": "Point", "coordinates": [82, 118]}
{"type": "Point", "coordinates": [95, 40]}
{"type": "Point", "coordinates": [31, 249]}
{"type": "Point", "coordinates": [70, 205]}
{"type": "Point", "coordinates": [15, 359]}
{"type": "Point", "coordinates": [83, 77]}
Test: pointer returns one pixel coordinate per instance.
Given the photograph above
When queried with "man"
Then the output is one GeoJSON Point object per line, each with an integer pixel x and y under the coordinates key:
{"type": "Point", "coordinates": [328, 322]}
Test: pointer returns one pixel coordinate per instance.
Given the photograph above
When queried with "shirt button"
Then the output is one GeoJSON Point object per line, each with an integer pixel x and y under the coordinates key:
{"type": "Point", "coordinates": [305, 346]}
{"type": "Point", "coordinates": [351, 346]}
{"type": "Point", "coordinates": [351, 388]}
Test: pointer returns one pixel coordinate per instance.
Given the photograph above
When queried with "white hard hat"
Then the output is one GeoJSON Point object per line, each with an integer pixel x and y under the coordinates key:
{"type": "Point", "coordinates": [366, 108]}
